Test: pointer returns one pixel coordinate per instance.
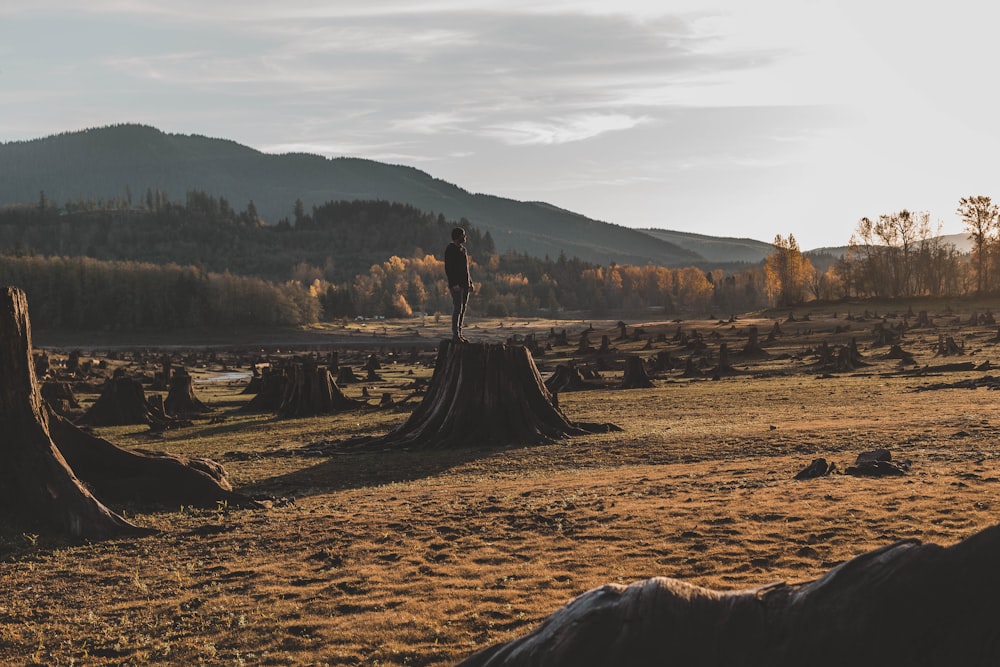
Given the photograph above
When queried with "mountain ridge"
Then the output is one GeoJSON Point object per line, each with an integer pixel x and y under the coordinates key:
{"type": "Point", "coordinates": [126, 160]}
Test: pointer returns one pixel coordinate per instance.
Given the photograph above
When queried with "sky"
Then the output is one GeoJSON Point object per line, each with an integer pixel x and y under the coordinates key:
{"type": "Point", "coordinates": [742, 118]}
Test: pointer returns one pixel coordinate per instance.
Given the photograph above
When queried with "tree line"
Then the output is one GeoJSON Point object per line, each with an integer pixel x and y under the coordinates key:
{"type": "Point", "coordinates": [895, 255]}
{"type": "Point", "coordinates": [113, 265]}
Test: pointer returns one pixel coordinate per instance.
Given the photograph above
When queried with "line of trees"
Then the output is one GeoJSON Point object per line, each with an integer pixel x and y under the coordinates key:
{"type": "Point", "coordinates": [88, 294]}
{"type": "Point", "coordinates": [79, 269]}
{"type": "Point", "coordinates": [895, 255]}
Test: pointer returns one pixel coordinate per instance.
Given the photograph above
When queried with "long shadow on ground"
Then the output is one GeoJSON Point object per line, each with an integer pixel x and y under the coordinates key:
{"type": "Point", "coordinates": [362, 468]}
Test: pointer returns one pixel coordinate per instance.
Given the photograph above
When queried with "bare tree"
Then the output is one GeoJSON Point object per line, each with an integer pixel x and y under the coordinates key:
{"type": "Point", "coordinates": [981, 217]}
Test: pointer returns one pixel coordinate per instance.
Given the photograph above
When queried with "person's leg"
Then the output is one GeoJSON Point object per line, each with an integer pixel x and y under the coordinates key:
{"type": "Point", "coordinates": [457, 313]}
{"type": "Point", "coordinates": [461, 312]}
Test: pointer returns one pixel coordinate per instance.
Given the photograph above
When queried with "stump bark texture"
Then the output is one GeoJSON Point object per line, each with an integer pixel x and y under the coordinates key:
{"type": "Point", "coordinates": [911, 604]}
{"type": "Point", "coordinates": [635, 375]}
{"type": "Point", "coordinates": [310, 390]}
{"type": "Point", "coordinates": [45, 460]}
{"type": "Point", "coordinates": [485, 395]}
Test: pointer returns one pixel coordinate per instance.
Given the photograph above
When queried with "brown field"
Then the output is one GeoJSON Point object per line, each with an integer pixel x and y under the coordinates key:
{"type": "Point", "coordinates": [421, 558]}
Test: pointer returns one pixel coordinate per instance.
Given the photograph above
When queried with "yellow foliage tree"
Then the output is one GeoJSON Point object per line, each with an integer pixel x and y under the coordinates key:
{"type": "Point", "coordinates": [788, 272]}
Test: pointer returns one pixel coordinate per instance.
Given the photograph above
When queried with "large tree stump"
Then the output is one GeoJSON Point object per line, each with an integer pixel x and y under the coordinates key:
{"type": "Point", "coordinates": [310, 390]}
{"type": "Point", "coordinates": [484, 395]}
{"type": "Point", "coordinates": [181, 400]}
{"type": "Point", "coordinates": [45, 461]}
{"type": "Point", "coordinates": [270, 391]}
{"type": "Point", "coordinates": [635, 376]}
{"type": "Point", "coordinates": [36, 483]}
{"type": "Point", "coordinates": [122, 403]}
{"type": "Point", "coordinates": [911, 604]}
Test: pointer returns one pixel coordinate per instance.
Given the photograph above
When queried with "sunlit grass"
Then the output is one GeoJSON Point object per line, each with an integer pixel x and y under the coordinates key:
{"type": "Point", "coordinates": [422, 557]}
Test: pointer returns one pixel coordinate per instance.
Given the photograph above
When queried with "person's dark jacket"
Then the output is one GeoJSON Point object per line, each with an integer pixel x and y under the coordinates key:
{"type": "Point", "coordinates": [456, 266]}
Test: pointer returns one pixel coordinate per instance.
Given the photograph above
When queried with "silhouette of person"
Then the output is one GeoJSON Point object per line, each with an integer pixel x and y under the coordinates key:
{"type": "Point", "coordinates": [456, 268]}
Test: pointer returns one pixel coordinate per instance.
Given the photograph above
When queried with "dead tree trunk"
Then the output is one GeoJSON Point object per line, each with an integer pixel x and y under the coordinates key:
{"type": "Point", "coordinates": [43, 457]}
{"type": "Point", "coordinates": [635, 376]}
{"type": "Point", "coordinates": [484, 395]}
{"type": "Point", "coordinates": [911, 604]}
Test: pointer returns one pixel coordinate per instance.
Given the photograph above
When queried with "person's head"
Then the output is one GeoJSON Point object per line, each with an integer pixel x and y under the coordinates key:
{"type": "Point", "coordinates": [458, 235]}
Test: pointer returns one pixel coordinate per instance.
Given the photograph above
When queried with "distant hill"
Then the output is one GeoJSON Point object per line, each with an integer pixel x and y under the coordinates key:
{"type": "Point", "coordinates": [127, 160]}
{"type": "Point", "coordinates": [716, 249]}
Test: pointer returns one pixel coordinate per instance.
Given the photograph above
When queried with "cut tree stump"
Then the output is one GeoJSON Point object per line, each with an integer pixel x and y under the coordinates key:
{"type": "Point", "coordinates": [48, 466]}
{"type": "Point", "coordinates": [913, 604]}
{"type": "Point", "coordinates": [122, 403]}
{"type": "Point", "coordinates": [635, 376]}
{"type": "Point", "coordinates": [484, 395]}
{"type": "Point", "coordinates": [310, 390]}
{"type": "Point", "coordinates": [181, 400]}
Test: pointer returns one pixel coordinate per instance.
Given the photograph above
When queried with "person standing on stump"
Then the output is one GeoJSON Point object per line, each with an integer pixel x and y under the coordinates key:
{"type": "Point", "coordinates": [456, 268]}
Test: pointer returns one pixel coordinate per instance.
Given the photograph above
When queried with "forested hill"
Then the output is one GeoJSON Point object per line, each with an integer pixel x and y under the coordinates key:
{"type": "Point", "coordinates": [127, 161]}
{"type": "Point", "coordinates": [334, 241]}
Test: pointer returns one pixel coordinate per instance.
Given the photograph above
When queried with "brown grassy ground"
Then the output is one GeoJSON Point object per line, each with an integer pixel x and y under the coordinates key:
{"type": "Point", "coordinates": [420, 558]}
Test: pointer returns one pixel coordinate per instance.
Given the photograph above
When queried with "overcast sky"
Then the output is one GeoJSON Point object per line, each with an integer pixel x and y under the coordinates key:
{"type": "Point", "coordinates": [723, 117]}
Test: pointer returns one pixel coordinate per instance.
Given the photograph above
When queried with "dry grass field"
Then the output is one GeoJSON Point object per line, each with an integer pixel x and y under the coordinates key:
{"type": "Point", "coordinates": [423, 557]}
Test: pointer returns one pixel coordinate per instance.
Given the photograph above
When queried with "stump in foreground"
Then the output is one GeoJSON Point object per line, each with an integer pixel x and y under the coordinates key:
{"type": "Point", "coordinates": [53, 473]}
{"type": "Point", "coordinates": [485, 395]}
{"type": "Point", "coordinates": [906, 604]}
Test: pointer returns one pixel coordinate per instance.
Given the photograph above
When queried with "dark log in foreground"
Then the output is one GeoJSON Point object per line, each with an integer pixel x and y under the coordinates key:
{"type": "Point", "coordinates": [484, 395]}
{"type": "Point", "coordinates": [45, 461]}
{"type": "Point", "coordinates": [913, 604]}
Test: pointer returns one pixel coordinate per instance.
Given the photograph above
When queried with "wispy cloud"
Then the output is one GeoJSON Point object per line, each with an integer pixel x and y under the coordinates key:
{"type": "Point", "coordinates": [563, 130]}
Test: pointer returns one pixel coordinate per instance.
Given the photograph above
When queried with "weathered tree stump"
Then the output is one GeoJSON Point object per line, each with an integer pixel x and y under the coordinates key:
{"type": "Point", "coordinates": [725, 366]}
{"type": "Point", "coordinates": [753, 347]}
{"type": "Point", "coordinates": [897, 352]}
{"type": "Point", "coordinates": [635, 376]}
{"type": "Point", "coordinates": [310, 390]}
{"type": "Point", "coordinates": [122, 403]}
{"type": "Point", "coordinates": [558, 338]}
{"type": "Point", "coordinates": [346, 376]}
{"type": "Point", "coordinates": [270, 391]}
{"type": "Point", "coordinates": [45, 461]}
{"type": "Point", "coordinates": [663, 362]}
{"type": "Point", "coordinates": [884, 335]}
{"type": "Point", "coordinates": [691, 369]}
{"type": "Point", "coordinates": [181, 399]}
{"type": "Point", "coordinates": [567, 377]}
{"type": "Point", "coordinates": [60, 397]}
{"type": "Point", "coordinates": [913, 604]}
{"type": "Point", "coordinates": [622, 330]}
{"type": "Point", "coordinates": [484, 395]}
{"type": "Point", "coordinates": [947, 347]}
{"type": "Point", "coordinates": [161, 380]}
